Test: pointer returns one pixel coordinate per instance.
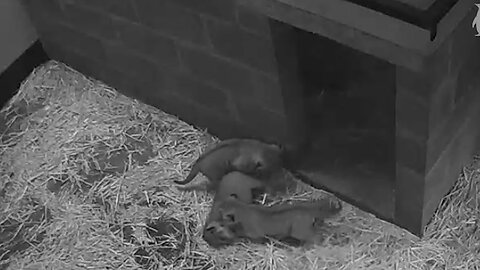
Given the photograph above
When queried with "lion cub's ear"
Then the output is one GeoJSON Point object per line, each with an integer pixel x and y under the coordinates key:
{"type": "Point", "coordinates": [230, 217]}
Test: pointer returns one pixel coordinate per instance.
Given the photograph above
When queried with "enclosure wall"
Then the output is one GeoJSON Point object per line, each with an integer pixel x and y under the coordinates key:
{"type": "Point", "coordinates": [212, 64]}
{"type": "Point", "coordinates": [436, 110]}
{"type": "Point", "coordinates": [16, 32]}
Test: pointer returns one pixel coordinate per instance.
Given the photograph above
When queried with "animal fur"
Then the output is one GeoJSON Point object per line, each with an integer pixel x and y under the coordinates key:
{"type": "Point", "coordinates": [249, 156]}
{"type": "Point", "coordinates": [238, 185]}
{"type": "Point", "coordinates": [286, 221]}
{"type": "Point", "coordinates": [217, 234]}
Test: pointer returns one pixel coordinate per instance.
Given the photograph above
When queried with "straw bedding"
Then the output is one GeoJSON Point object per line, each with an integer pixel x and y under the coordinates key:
{"type": "Point", "coordinates": [86, 183]}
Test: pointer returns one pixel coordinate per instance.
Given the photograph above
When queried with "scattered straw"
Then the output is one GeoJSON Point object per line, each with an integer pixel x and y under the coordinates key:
{"type": "Point", "coordinates": [103, 165]}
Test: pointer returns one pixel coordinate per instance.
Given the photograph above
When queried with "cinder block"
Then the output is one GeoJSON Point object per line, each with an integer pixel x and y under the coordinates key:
{"type": "Point", "coordinates": [233, 42]}
{"type": "Point", "coordinates": [411, 153]}
{"type": "Point", "coordinates": [72, 39]}
{"type": "Point", "coordinates": [442, 102]}
{"type": "Point", "coordinates": [220, 72]}
{"type": "Point", "coordinates": [134, 86]}
{"type": "Point", "coordinates": [219, 9]}
{"type": "Point", "coordinates": [458, 153]}
{"type": "Point", "coordinates": [253, 21]}
{"type": "Point", "coordinates": [415, 83]}
{"type": "Point", "coordinates": [412, 114]}
{"type": "Point", "coordinates": [184, 85]}
{"type": "Point", "coordinates": [131, 63]}
{"type": "Point", "coordinates": [83, 63]}
{"type": "Point", "coordinates": [267, 92]}
{"type": "Point", "coordinates": [222, 125]}
{"type": "Point", "coordinates": [143, 40]}
{"type": "Point", "coordinates": [443, 134]}
{"type": "Point", "coordinates": [89, 20]}
{"type": "Point", "coordinates": [408, 210]}
{"type": "Point", "coordinates": [122, 8]}
{"type": "Point", "coordinates": [464, 43]}
{"type": "Point", "coordinates": [468, 78]}
{"type": "Point", "coordinates": [38, 10]}
{"type": "Point", "coordinates": [172, 20]}
{"type": "Point", "coordinates": [257, 120]}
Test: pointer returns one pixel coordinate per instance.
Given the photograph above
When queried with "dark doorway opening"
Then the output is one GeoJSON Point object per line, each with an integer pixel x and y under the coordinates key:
{"type": "Point", "coordinates": [349, 103]}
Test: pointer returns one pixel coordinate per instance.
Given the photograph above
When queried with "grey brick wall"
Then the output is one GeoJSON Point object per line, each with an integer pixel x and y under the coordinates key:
{"type": "Point", "coordinates": [210, 62]}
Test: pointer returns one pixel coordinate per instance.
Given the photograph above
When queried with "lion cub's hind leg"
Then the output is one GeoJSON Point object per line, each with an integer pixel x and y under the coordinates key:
{"type": "Point", "coordinates": [303, 229]}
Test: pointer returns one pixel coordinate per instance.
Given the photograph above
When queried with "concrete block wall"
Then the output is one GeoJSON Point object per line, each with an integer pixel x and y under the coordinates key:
{"type": "Point", "coordinates": [435, 111]}
{"type": "Point", "coordinates": [210, 62]}
{"type": "Point", "coordinates": [16, 28]}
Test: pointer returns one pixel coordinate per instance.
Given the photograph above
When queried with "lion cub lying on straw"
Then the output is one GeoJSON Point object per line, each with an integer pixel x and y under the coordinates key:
{"type": "Point", "coordinates": [236, 184]}
{"type": "Point", "coordinates": [240, 185]}
{"type": "Point", "coordinates": [257, 223]}
{"type": "Point", "coordinates": [249, 156]}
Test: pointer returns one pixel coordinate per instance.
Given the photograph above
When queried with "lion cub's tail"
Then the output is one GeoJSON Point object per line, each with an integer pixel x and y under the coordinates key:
{"type": "Point", "coordinates": [191, 175]}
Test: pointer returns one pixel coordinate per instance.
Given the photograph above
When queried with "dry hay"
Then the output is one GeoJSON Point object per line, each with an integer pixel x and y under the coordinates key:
{"type": "Point", "coordinates": [87, 184]}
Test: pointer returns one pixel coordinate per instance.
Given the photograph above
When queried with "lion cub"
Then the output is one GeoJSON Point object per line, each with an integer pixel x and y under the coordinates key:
{"type": "Point", "coordinates": [286, 221]}
{"type": "Point", "coordinates": [242, 187]}
{"type": "Point", "coordinates": [248, 156]}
